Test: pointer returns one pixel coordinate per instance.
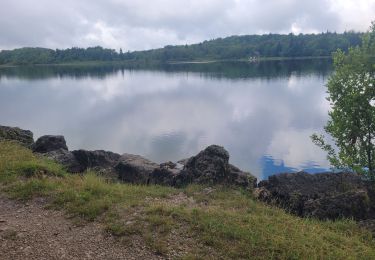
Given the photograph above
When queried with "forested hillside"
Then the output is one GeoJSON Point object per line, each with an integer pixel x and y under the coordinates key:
{"type": "Point", "coordinates": [230, 48]}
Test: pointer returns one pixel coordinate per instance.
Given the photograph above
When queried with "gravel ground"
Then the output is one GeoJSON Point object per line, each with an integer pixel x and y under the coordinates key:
{"type": "Point", "coordinates": [29, 231]}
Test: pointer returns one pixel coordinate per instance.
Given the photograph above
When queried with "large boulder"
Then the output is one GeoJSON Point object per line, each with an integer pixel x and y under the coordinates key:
{"type": "Point", "coordinates": [211, 166]}
{"type": "Point", "coordinates": [349, 204]}
{"type": "Point", "coordinates": [102, 162]}
{"type": "Point", "coordinates": [240, 178]}
{"type": "Point", "coordinates": [322, 195]}
{"type": "Point", "coordinates": [168, 173]}
{"type": "Point", "coordinates": [48, 143]}
{"type": "Point", "coordinates": [97, 160]}
{"type": "Point", "coordinates": [65, 158]}
{"type": "Point", "coordinates": [135, 169]}
{"type": "Point", "coordinates": [24, 137]}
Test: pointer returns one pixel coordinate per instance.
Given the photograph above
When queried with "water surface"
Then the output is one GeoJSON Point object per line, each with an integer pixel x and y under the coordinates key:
{"type": "Point", "coordinates": [262, 113]}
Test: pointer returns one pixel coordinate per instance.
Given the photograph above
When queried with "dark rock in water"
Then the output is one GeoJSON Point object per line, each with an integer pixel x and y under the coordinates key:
{"type": "Point", "coordinates": [135, 169]}
{"type": "Point", "coordinates": [322, 195]}
{"type": "Point", "coordinates": [24, 137]}
{"type": "Point", "coordinates": [65, 158]}
{"type": "Point", "coordinates": [97, 160]}
{"type": "Point", "coordinates": [211, 166]}
{"type": "Point", "coordinates": [48, 143]}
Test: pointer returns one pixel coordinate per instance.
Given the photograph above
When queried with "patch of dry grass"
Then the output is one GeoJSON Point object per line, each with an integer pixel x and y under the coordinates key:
{"type": "Point", "coordinates": [223, 221]}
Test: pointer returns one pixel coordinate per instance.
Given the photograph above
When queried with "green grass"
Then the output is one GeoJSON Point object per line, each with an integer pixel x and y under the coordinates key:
{"type": "Point", "coordinates": [223, 223]}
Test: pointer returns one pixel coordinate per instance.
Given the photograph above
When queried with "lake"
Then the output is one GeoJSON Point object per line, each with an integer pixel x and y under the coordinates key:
{"type": "Point", "coordinates": [262, 113]}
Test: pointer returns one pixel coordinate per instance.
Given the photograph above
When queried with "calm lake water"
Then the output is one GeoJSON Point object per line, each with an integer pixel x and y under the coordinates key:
{"type": "Point", "coordinates": [262, 113]}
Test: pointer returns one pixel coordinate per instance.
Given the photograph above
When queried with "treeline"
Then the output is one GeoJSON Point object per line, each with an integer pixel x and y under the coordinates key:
{"type": "Point", "coordinates": [48, 56]}
{"type": "Point", "coordinates": [243, 47]}
{"type": "Point", "coordinates": [230, 48]}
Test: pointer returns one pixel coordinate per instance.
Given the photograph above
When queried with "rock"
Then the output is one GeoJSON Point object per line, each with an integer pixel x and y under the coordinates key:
{"type": "Point", "coordinates": [24, 137]}
{"type": "Point", "coordinates": [240, 178]}
{"type": "Point", "coordinates": [368, 224]}
{"type": "Point", "coordinates": [102, 162]}
{"type": "Point", "coordinates": [170, 176]}
{"type": "Point", "coordinates": [322, 195]}
{"type": "Point", "coordinates": [262, 194]}
{"type": "Point", "coordinates": [346, 205]}
{"type": "Point", "coordinates": [168, 165]}
{"type": "Point", "coordinates": [183, 161]}
{"type": "Point", "coordinates": [98, 159]}
{"type": "Point", "coordinates": [65, 158]}
{"type": "Point", "coordinates": [79, 161]}
{"type": "Point", "coordinates": [211, 166]}
{"type": "Point", "coordinates": [48, 143]}
{"type": "Point", "coordinates": [135, 169]}
{"type": "Point", "coordinates": [312, 184]}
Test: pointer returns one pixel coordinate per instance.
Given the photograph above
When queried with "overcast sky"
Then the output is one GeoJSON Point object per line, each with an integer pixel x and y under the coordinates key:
{"type": "Point", "coordinates": [144, 24]}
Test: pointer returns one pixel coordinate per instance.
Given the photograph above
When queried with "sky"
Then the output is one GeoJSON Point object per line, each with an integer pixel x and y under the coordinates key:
{"type": "Point", "coordinates": [145, 24]}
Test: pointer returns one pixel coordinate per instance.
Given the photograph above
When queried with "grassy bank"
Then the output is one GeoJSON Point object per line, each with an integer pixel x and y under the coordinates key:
{"type": "Point", "coordinates": [213, 222]}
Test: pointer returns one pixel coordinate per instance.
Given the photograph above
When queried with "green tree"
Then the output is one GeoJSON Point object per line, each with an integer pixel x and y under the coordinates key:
{"type": "Point", "coordinates": [351, 124]}
{"type": "Point", "coordinates": [233, 47]}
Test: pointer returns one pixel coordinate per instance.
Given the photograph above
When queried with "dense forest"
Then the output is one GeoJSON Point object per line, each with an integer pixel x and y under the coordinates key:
{"type": "Point", "coordinates": [230, 48]}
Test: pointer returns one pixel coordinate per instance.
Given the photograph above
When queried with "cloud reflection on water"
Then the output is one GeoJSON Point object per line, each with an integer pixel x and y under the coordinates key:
{"type": "Point", "coordinates": [169, 116]}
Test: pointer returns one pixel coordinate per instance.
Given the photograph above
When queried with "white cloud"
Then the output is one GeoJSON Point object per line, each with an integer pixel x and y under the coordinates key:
{"type": "Point", "coordinates": [145, 24]}
{"type": "Point", "coordinates": [294, 146]}
{"type": "Point", "coordinates": [354, 14]}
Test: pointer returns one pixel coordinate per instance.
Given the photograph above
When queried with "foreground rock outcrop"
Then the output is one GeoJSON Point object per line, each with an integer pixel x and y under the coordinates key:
{"type": "Point", "coordinates": [65, 158]}
{"type": "Point", "coordinates": [168, 174]}
{"type": "Point", "coordinates": [135, 169]}
{"type": "Point", "coordinates": [54, 147]}
{"type": "Point", "coordinates": [99, 160]}
{"type": "Point", "coordinates": [48, 143]}
{"type": "Point", "coordinates": [211, 166]}
{"type": "Point", "coordinates": [322, 195]}
{"type": "Point", "coordinates": [24, 137]}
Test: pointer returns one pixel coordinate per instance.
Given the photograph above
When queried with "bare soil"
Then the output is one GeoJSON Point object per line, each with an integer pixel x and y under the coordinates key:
{"type": "Point", "coordinates": [29, 231]}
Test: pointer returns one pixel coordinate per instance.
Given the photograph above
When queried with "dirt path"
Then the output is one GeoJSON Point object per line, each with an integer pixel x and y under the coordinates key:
{"type": "Point", "coordinates": [29, 231]}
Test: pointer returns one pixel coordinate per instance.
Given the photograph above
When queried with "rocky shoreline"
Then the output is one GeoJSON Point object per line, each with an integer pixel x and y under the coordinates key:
{"type": "Point", "coordinates": [323, 195]}
{"type": "Point", "coordinates": [210, 166]}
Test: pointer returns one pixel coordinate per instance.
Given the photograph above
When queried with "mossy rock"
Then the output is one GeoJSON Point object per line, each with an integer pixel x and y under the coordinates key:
{"type": "Point", "coordinates": [24, 137]}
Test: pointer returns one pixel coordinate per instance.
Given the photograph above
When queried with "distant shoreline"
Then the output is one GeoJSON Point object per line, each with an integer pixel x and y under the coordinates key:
{"type": "Point", "coordinates": [156, 62]}
{"type": "Point", "coordinates": [250, 61]}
